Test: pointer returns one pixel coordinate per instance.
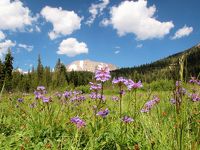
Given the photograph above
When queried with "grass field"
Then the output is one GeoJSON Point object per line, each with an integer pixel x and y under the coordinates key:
{"type": "Point", "coordinates": [30, 123]}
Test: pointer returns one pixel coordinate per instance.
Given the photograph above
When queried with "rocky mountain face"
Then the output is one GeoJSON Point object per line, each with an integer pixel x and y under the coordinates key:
{"type": "Point", "coordinates": [87, 65]}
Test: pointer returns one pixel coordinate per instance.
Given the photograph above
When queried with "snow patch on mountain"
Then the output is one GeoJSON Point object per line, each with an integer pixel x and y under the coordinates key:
{"type": "Point", "coordinates": [87, 65]}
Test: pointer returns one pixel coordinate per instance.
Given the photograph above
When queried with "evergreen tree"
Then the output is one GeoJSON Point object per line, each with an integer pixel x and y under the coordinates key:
{"type": "Point", "coordinates": [59, 75]}
{"type": "Point", "coordinates": [16, 80]}
{"type": "Point", "coordinates": [8, 68]}
{"type": "Point", "coordinates": [1, 74]}
{"type": "Point", "coordinates": [39, 71]}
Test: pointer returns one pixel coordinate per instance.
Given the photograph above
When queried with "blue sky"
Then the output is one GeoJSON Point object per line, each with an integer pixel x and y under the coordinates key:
{"type": "Point", "coordinates": [124, 33]}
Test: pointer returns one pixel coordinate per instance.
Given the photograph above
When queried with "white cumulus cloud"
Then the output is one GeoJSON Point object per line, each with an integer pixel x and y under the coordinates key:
{"type": "Point", "coordinates": [64, 22]}
{"type": "Point", "coordinates": [96, 9]}
{"type": "Point", "coordinates": [182, 32]}
{"type": "Point", "coordinates": [14, 15]}
{"type": "Point", "coordinates": [2, 35]}
{"type": "Point", "coordinates": [4, 46]}
{"type": "Point", "coordinates": [117, 52]}
{"type": "Point", "coordinates": [137, 18]}
{"type": "Point", "coordinates": [29, 48]}
{"type": "Point", "coordinates": [139, 45]}
{"type": "Point", "coordinates": [71, 47]}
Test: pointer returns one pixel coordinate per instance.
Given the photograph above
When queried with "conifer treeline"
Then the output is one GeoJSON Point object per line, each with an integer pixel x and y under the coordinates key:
{"type": "Point", "coordinates": [58, 78]}
{"type": "Point", "coordinates": [167, 68]}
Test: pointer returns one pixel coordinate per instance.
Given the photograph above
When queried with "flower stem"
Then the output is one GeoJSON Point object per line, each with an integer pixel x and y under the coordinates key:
{"type": "Point", "coordinates": [135, 104]}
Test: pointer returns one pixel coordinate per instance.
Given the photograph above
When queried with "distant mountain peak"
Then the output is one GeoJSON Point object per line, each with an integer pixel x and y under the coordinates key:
{"type": "Point", "coordinates": [87, 65]}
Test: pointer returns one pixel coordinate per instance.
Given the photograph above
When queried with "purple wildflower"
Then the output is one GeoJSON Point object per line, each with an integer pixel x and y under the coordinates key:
{"type": "Point", "coordinates": [149, 105]}
{"type": "Point", "coordinates": [79, 122]}
{"type": "Point", "coordinates": [193, 80]}
{"type": "Point", "coordinates": [127, 119]}
{"type": "Point", "coordinates": [119, 80]}
{"type": "Point", "coordinates": [38, 95]}
{"type": "Point", "coordinates": [195, 97]}
{"type": "Point", "coordinates": [102, 73]}
{"type": "Point", "coordinates": [46, 99]}
{"type": "Point", "coordinates": [122, 92]}
{"type": "Point", "coordinates": [78, 98]}
{"type": "Point", "coordinates": [67, 94]}
{"type": "Point", "coordinates": [95, 86]}
{"type": "Point", "coordinates": [40, 88]}
{"type": "Point", "coordinates": [20, 100]}
{"type": "Point", "coordinates": [103, 113]}
{"type": "Point", "coordinates": [94, 96]}
{"type": "Point", "coordinates": [173, 101]}
{"type": "Point", "coordinates": [81, 98]}
{"type": "Point", "coordinates": [178, 83]}
{"type": "Point", "coordinates": [133, 85]}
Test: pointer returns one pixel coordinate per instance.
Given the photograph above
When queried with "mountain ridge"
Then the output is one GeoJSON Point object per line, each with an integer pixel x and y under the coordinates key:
{"type": "Point", "coordinates": [166, 68]}
{"type": "Point", "coordinates": [87, 65]}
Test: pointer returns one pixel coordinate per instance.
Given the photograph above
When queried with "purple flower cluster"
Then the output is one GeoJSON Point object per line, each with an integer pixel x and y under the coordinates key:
{"type": "Point", "coordinates": [194, 97]}
{"type": "Point", "coordinates": [79, 122]}
{"type": "Point", "coordinates": [20, 100]}
{"type": "Point", "coordinates": [95, 86]}
{"type": "Point", "coordinates": [40, 92]}
{"type": "Point", "coordinates": [46, 99]}
{"type": "Point", "coordinates": [41, 88]}
{"type": "Point", "coordinates": [119, 80]}
{"type": "Point", "coordinates": [103, 113]}
{"type": "Point", "coordinates": [74, 96]}
{"type": "Point", "coordinates": [78, 98]}
{"type": "Point", "coordinates": [178, 83]}
{"type": "Point", "coordinates": [128, 82]}
{"type": "Point", "coordinates": [133, 85]}
{"type": "Point", "coordinates": [102, 73]}
{"type": "Point", "coordinates": [181, 91]}
{"type": "Point", "coordinates": [127, 119]}
{"type": "Point", "coordinates": [194, 81]}
{"type": "Point", "coordinates": [38, 95]}
{"type": "Point", "coordinates": [149, 105]}
{"type": "Point", "coordinates": [67, 94]}
{"type": "Point", "coordinates": [95, 96]}
{"type": "Point", "coordinates": [173, 101]}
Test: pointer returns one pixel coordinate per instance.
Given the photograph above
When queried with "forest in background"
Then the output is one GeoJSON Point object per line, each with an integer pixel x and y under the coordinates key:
{"type": "Point", "coordinates": [161, 71]}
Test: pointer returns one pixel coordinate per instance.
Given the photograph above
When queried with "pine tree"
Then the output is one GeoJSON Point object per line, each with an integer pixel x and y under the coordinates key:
{"type": "Point", "coordinates": [8, 68]}
{"type": "Point", "coordinates": [39, 71]}
{"type": "Point", "coordinates": [59, 75]}
{"type": "Point", "coordinates": [1, 74]}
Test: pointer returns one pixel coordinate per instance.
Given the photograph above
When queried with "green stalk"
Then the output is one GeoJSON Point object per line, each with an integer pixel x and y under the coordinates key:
{"type": "Point", "coordinates": [135, 105]}
{"type": "Point", "coordinates": [2, 89]}
{"type": "Point", "coordinates": [120, 108]}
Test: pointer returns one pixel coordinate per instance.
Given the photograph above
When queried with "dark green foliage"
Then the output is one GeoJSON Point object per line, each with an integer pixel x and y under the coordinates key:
{"type": "Point", "coordinates": [78, 78]}
{"type": "Point", "coordinates": [57, 79]}
{"type": "Point", "coordinates": [161, 71]}
{"type": "Point", "coordinates": [167, 68]}
{"type": "Point", "coordinates": [40, 71]}
{"type": "Point", "coordinates": [1, 74]}
{"type": "Point", "coordinates": [7, 70]}
{"type": "Point", "coordinates": [59, 75]}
